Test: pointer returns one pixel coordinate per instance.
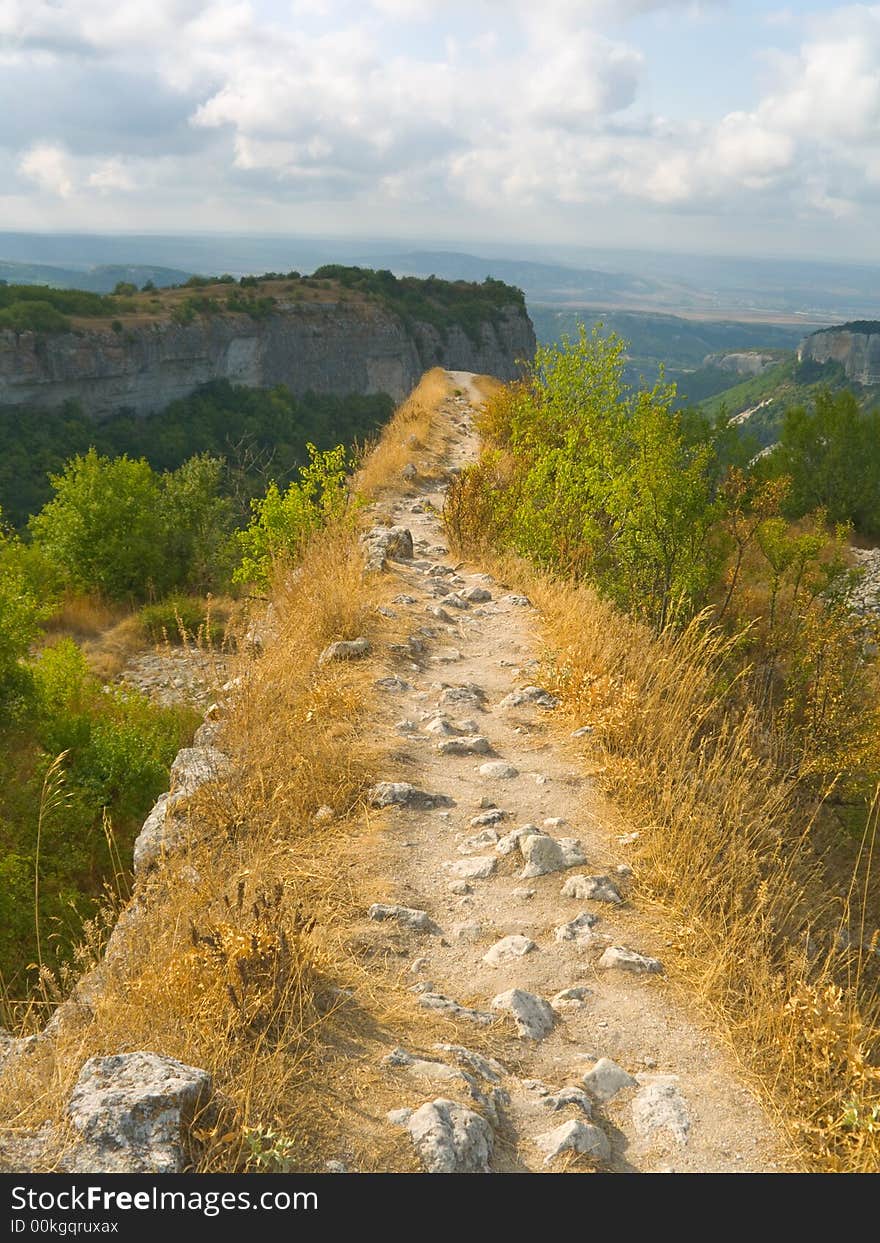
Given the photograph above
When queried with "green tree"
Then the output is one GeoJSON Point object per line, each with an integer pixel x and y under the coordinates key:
{"type": "Point", "coordinates": [105, 527]}
{"type": "Point", "coordinates": [831, 454]}
{"type": "Point", "coordinates": [197, 521]}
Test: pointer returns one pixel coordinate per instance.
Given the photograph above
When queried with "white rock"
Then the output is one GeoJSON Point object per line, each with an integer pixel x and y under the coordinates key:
{"type": "Point", "coordinates": [569, 1096]}
{"type": "Point", "coordinates": [460, 888]}
{"type": "Point", "coordinates": [402, 794]}
{"type": "Point", "coordinates": [479, 1063]}
{"type": "Point", "coordinates": [345, 649]}
{"type": "Point", "coordinates": [399, 1117]}
{"type": "Point", "coordinates": [524, 895]}
{"type": "Point", "coordinates": [529, 695]}
{"type": "Point", "coordinates": [555, 822]}
{"type": "Point", "coordinates": [498, 770]}
{"type": "Point", "coordinates": [508, 950]}
{"type": "Point", "coordinates": [451, 1139]}
{"type": "Point", "coordinates": [570, 998]}
{"type": "Point", "coordinates": [469, 933]}
{"type": "Point", "coordinates": [478, 744]}
{"type": "Point", "coordinates": [628, 960]}
{"type": "Point", "coordinates": [478, 868]}
{"type": "Point", "coordinates": [518, 601]}
{"type": "Point", "coordinates": [574, 1136]}
{"type": "Point", "coordinates": [579, 929]}
{"type": "Point", "coordinates": [135, 1112]}
{"type": "Point", "coordinates": [479, 841]}
{"type": "Point", "coordinates": [510, 841]}
{"type": "Point", "coordinates": [659, 1106]}
{"type": "Point", "coordinates": [595, 888]}
{"type": "Point", "coordinates": [444, 1004]}
{"type": "Point", "coordinates": [544, 854]}
{"type": "Point", "coordinates": [420, 921]}
{"type": "Point", "coordinates": [606, 1079]}
{"type": "Point", "coordinates": [534, 1018]}
{"type": "Point", "coordinates": [477, 595]}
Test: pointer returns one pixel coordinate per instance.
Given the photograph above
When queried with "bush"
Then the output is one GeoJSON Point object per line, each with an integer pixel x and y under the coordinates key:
{"type": "Point", "coordinates": [105, 526]}
{"type": "Point", "coordinates": [283, 522]}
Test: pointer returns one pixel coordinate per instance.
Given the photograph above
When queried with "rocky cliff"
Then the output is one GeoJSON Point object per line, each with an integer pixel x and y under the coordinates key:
{"type": "Point", "coordinates": [322, 347]}
{"type": "Point", "coordinates": [856, 346]}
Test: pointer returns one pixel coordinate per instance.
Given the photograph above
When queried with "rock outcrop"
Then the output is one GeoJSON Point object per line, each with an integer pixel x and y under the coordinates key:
{"type": "Point", "coordinates": [319, 347]}
{"type": "Point", "coordinates": [856, 346]}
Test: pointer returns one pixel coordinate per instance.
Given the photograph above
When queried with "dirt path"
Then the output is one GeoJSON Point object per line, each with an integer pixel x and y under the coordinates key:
{"type": "Point", "coordinates": [673, 1101]}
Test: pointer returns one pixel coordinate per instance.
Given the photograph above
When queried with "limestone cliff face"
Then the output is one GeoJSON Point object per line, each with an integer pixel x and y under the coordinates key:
{"type": "Point", "coordinates": [856, 346]}
{"type": "Point", "coordinates": [322, 347]}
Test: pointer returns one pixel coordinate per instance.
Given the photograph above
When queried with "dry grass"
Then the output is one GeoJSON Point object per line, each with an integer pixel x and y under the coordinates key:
{"type": "Point", "coordinates": [409, 437]}
{"type": "Point", "coordinates": [250, 955]}
{"type": "Point", "coordinates": [727, 850]}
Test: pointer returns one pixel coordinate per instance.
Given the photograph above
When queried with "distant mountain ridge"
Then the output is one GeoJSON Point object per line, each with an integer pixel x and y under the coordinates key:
{"type": "Point", "coordinates": [99, 278]}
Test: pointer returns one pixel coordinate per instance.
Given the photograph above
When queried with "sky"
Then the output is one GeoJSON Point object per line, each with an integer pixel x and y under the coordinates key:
{"type": "Point", "coordinates": [730, 126]}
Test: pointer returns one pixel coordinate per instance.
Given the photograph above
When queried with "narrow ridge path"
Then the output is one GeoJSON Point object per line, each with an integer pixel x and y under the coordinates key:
{"type": "Point", "coordinates": [513, 893]}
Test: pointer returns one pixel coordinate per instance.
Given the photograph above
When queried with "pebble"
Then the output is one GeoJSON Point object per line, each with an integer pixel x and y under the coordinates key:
{"type": "Point", "coordinates": [529, 695]}
{"type": "Point", "coordinates": [493, 816]}
{"type": "Point", "coordinates": [569, 1096]}
{"type": "Point", "coordinates": [570, 998]}
{"type": "Point", "coordinates": [479, 841]}
{"type": "Point", "coordinates": [402, 794]}
{"type": "Point", "coordinates": [486, 1067]}
{"type": "Point", "coordinates": [438, 1001]}
{"type": "Point", "coordinates": [461, 888]}
{"type": "Point", "coordinates": [477, 595]}
{"type": "Point", "coordinates": [345, 649]}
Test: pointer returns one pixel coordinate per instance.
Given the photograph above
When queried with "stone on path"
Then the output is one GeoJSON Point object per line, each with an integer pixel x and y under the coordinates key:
{"type": "Point", "coordinates": [486, 1067]}
{"type": "Point", "coordinates": [625, 959]}
{"type": "Point", "coordinates": [450, 1138]}
{"type": "Point", "coordinates": [392, 683]}
{"type": "Point", "coordinates": [477, 595]}
{"type": "Point", "coordinates": [534, 1018]}
{"type": "Point", "coordinates": [544, 854]}
{"type": "Point", "coordinates": [606, 1079]}
{"type": "Point", "coordinates": [568, 1096]}
{"type": "Point", "coordinates": [508, 950]}
{"type": "Point", "coordinates": [479, 868]}
{"type": "Point", "coordinates": [529, 695]}
{"type": "Point", "coordinates": [445, 1005]}
{"type": "Point", "coordinates": [135, 1112]}
{"type": "Point", "coordinates": [492, 816]}
{"type": "Point", "coordinates": [581, 1137]}
{"type": "Point", "coordinates": [407, 916]}
{"type": "Point", "coordinates": [404, 599]}
{"type": "Point", "coordinates": [579, 930]}
{"type": "Point", "coordinates": [570, 998]}
{"type": "Point", "coordinates": [477, 744]}
{"type": "Point", "coordinates": [345, 649]}
{"type": "Point", "coordinates": [498, 770]}
{"type": "Point", "coordinates": [595, 888]}
{"type": "Point", "coordinates": [522, 602]}
{"type": "Point", "coordinates": [402, 794]}
{"type": "Point", "coordinates": [471, 696]}
{"type": "Point", "coordinates": [510, 841]}
{"type": "Point", "coordinates": [479, 841]}
{"type": "Point", "coordinates": [659, 1106]}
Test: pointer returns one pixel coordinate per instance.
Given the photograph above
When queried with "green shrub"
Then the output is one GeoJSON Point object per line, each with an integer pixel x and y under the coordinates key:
{"type": "Point", "coordinates": [282, 522]}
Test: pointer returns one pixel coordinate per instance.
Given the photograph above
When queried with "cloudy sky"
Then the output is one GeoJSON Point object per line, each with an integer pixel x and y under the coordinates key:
{"type": "Point", "coordinates": [727, 125]}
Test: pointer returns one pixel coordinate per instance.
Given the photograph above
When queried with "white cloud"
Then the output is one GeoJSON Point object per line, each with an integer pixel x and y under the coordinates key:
{"type": "Point", "coordinates": [49, 167]}
{"type": "Point", "coordinates": [497, 104]}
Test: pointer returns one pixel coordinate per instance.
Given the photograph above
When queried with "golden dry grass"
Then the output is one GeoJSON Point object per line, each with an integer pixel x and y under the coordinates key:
{"type": "Point", "coordinates": [250, 955]}
{"type": "Point", "coordinates": [410, 435]}
{"type": "Point", "coordinates": [726, 849]}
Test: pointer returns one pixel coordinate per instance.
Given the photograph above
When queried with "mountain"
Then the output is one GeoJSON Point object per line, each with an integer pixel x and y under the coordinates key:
{"type": "Point", "coordinates": [101, 278]}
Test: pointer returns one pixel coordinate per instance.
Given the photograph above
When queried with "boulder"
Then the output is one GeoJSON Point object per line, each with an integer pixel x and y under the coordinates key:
{"type": "Point", "coordinates": [135, 1113]}
{"type": "Point", "coordinates": [534, 1018]}
{"type": "Point", "coordinates": [345, 649]}
{"type": "Point", "coordinates": [451, 1138]}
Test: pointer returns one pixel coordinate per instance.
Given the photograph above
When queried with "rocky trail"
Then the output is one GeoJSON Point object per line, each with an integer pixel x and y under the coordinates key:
{"type": "Point", "coordinates": [512, 896]}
